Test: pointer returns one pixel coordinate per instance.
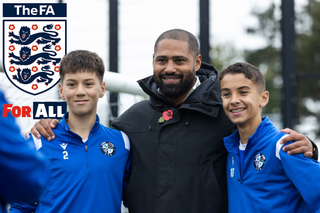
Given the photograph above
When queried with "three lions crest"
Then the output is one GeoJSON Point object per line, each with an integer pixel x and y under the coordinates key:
{"type": "Point", "coordinates": [32, 52]}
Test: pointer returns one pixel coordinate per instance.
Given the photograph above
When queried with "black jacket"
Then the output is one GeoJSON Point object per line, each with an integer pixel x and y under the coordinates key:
{"type": "Point", "coordinates": [178, 166]}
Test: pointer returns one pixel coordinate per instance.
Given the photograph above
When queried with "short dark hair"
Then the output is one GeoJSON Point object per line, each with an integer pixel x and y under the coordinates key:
{"type": "Point", "coordinates": [180, 35]}
{"type": "Point", "coordinates": [250, 72]}
{"type": "Point", "coordinates": [82, 61]}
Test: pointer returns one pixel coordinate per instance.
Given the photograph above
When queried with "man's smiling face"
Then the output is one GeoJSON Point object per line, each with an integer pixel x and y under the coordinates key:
{"type": "Point", "coordinates": [175, 68]}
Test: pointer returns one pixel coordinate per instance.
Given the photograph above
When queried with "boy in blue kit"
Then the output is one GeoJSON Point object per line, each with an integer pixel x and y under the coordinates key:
{"type": "Point", "coordinates": [261, 177]}
{"type": "Point", "coordinates": [89, 163]}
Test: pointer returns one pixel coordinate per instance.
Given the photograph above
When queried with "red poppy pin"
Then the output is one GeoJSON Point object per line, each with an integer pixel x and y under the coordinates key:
{"type": "Point", "coordinates": [166, 115]}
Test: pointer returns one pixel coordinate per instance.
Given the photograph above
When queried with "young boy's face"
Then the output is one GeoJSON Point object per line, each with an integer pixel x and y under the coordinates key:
{"type": "Point", "coordinates": [81, 91]}
{"type": "Point", "coordinates": [242, 100]}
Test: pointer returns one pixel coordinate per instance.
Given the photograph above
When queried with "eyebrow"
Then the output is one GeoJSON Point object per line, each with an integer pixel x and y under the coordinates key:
{"type": "Point", "coordinates": [240, 88]}
{"type": "Point", "coordinates": [70, 80]}
{"type": "Point", "coordinates": [243, 87]}
{"type": "Point", "coordinates": [88, 79]}
{"type": "Point", "coordinates": [225, 89]}
{"type": "Point", "coordinates": [174, 57]}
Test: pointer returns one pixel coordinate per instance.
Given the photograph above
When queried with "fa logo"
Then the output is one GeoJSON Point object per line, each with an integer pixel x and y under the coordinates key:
{"type": "Point", "coordinates": [32, 54]}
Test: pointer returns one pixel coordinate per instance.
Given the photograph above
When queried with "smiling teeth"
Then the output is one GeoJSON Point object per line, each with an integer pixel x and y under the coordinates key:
{"type": "Point", "coordinates": [237, 110]}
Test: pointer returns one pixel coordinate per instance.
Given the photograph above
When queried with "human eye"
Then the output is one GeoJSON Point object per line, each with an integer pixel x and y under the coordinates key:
{"type": "Point", "coordinates": [243, 92]}
{"type": "Point", "coordinates": [89, 83]}
{"type": "Point", "coordinates": [70, 84]}
{"type": "Point", "coordinates": [161, 60]}
{"type": "Point", "coordinates": [225, 94]}
{"type": "Point", "coordinates": [180, 60]}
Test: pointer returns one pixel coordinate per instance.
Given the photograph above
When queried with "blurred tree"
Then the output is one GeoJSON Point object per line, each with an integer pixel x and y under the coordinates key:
{"type": "Point", "coordinates": [308, 57]}
{"type": "Point", "coordinates": [223, 55]}
{"type": "Point", "coordinates": [268, 59]}
{"type": "Point", "coordinates": [308, 54]}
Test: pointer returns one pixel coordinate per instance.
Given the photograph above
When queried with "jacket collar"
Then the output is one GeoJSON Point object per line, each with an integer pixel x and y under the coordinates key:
{"type": "Point", "coordinates": [190, 91]}
{"type": "Point", "coordinates": [65, 126]}
{"type": "Point", "coordinates": [206, 98]}
{"type": "Point", "coordinates": [232, 142]}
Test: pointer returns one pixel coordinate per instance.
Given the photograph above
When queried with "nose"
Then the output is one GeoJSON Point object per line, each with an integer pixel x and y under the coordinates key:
{"type": "Point", "coordinates": [170, 67]}
{"type": "Point", "coordinates": [80, 90]}
{"type": "Point", "coordinates": [234, 100]}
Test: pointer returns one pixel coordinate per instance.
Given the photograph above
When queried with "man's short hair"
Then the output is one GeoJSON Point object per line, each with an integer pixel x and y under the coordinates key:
{"type": "Point", "coordinates": [180, 35]}
{"type": "Point", "coordinates": [250, 72]}
{"type": "Point", "coordinates": [82, 61]}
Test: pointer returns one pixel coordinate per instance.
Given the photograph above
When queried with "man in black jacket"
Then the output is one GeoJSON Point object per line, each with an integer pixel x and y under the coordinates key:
{"type": "Point", "coordinates": [176, 136]}
{"type": "Point", "coordinates": [179, 159]}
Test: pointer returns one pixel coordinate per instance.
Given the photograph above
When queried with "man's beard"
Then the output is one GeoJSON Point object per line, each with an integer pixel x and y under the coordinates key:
{"type": "Point", "coordinates": [175, 90]}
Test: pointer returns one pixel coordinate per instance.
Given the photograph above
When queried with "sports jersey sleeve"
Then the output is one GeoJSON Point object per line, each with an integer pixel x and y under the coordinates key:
{"type": "Point", "coordinates": [26, 207]}
{"type": "Point", "coordinates": [305, 175]}
{"type": "Point", "coordinates": [127, 172]}
{"type": "Point", "coordinates": [315, 154]}
{"type": "Point", "coordinates": [23, 207]}
{"type": "Point", "coordinates": [23, 172]}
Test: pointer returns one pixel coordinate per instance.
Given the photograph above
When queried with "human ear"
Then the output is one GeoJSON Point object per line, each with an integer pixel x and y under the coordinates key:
{"type": "Point", "coordinates": [264, 98]}
{"type": "Point", "coordinates": [197, 62]}
{"type": "Point", "coordinates": [103, 88]}
{"type": "Point", "coordinates": [61, 91]}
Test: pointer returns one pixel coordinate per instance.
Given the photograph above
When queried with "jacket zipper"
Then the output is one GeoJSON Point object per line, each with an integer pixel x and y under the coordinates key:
{"type": "Point", "coordinates": [86, 150]}
{"type": "Point", "coordinates": [244, 155]}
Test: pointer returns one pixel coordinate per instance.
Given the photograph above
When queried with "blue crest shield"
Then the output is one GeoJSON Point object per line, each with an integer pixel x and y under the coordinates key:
{"type": "Point", "coordinates": [32, 51]}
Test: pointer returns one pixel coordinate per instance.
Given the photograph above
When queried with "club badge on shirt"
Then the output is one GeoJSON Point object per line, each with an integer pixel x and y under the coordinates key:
{"type": "Point", "coordinates": [259, 161]}
{"type": "Point", "coordinates": [108, 148]}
